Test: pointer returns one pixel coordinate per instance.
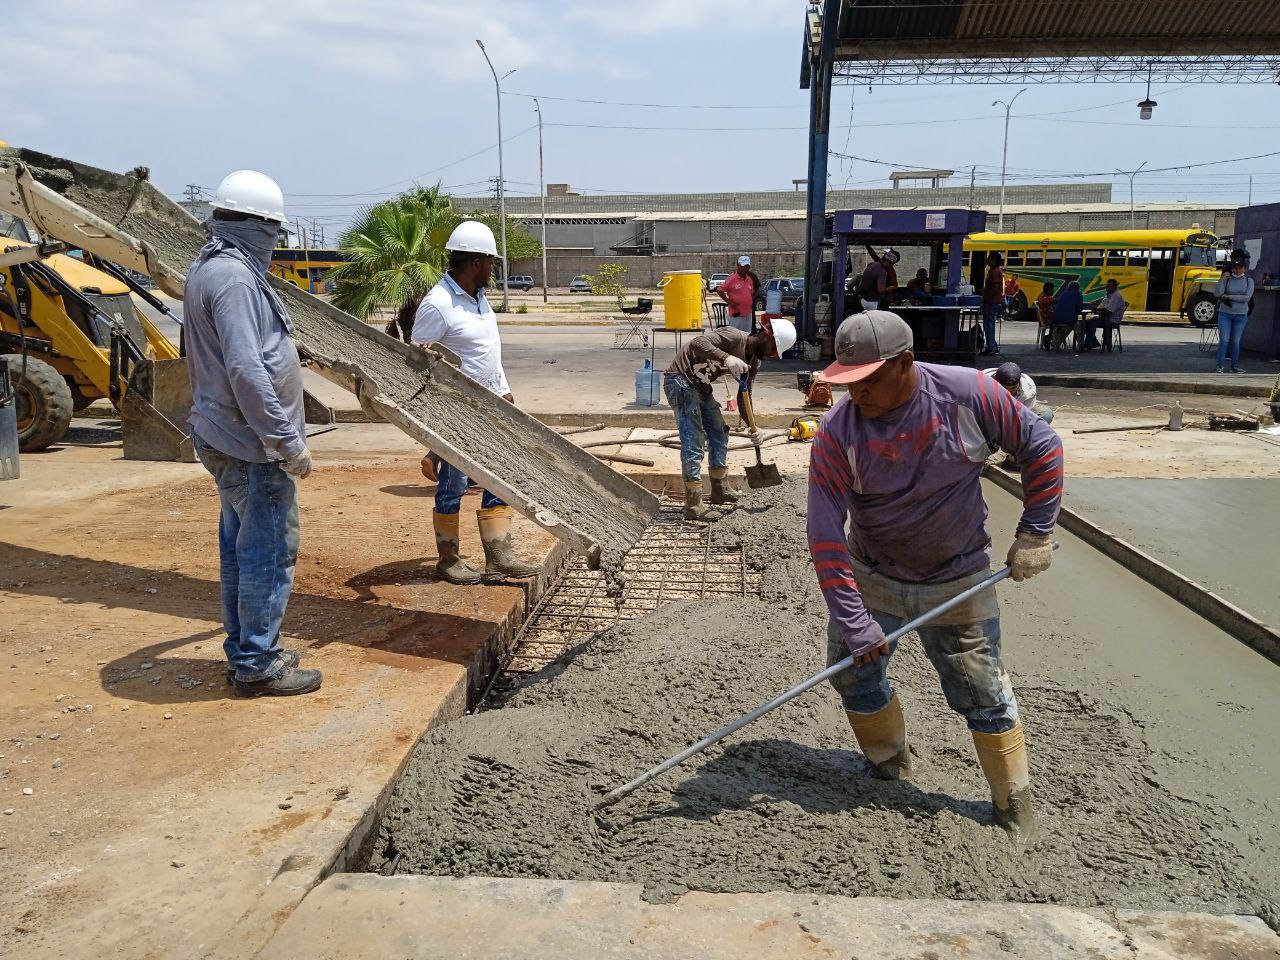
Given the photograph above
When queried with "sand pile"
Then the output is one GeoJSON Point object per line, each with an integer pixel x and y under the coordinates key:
{"type": "Point", "coordinates": [788, 803]}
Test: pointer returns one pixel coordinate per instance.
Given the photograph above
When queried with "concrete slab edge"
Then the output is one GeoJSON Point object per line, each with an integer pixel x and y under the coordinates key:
{"type": "Point", "coordinates": [1154, 386]}
{"type": "Point", "coordinates": [1217, 610]}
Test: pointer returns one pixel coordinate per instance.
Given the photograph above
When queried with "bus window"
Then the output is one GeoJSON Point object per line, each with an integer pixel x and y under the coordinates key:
{"type": "Point", "coordinates": [1053, 258]}
{"type": "Point", "coordinates": [1138, 258]}
{"type": "Point", "coordinates": [1115, 258]}
{"type": "Point", "coordinates": [1196, 257]}
{"type": "Point", "coordinates": [1074, 258]}
{"type": "Point", "coordinates": [1035, 258]}
{"type": "Point", "coordinates": [1015, 259]}
{"type": "Point", "coordinates": [1093, 258]}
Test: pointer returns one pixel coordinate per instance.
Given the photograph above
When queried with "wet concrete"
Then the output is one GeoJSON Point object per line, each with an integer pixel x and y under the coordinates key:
{"type": "Point", "coordinates": [1206, 529]}
{"type": "Point", "coordinates": [1148, 731]}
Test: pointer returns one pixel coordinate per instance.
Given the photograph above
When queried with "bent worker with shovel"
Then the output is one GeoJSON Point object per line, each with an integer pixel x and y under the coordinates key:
{"type": "Point", "coordinates": [897, 525]}
{"type": "Point", "coordinates": [687, 383]}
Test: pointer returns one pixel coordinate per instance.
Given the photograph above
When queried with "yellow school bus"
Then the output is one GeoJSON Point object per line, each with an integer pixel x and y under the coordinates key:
{"type": "Point", "coordinates": [1157, 270]}
{"type": "Point", "coordinates": [307, 268]}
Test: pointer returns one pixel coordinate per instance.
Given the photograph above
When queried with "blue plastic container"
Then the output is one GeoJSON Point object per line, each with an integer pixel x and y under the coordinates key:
{"type": "Point", "coordinates": [648, 386]}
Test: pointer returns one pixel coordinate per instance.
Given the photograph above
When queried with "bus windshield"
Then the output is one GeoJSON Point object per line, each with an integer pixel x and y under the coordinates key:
{"type": "Point", "coordinates": [1196, 256]}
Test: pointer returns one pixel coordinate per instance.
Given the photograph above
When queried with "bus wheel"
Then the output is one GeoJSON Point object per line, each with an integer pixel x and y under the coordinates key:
{"type": "Point", "coordinates": [1202, 309]}
{"type": "Point", "coordinates": [1018, 308]}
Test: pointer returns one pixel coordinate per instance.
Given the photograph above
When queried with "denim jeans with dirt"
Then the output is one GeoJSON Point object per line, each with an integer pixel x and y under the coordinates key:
{"type": "Point", "coordinates": [964, 649]}
{"type": "Point", "coordinates": [258, 550]}
{"type": "Point", "coordinates": [451, 486]}
{"type": "Point", "coordinates": [701, 425]}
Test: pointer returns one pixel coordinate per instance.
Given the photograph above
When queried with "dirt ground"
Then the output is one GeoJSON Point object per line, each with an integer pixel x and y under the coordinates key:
{"type": "Point", "coordinates": [145, 776]}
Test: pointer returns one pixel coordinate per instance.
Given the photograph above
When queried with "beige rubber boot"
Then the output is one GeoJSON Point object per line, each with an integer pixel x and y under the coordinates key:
{"type": "Point", "coordinates": [500, 558]}
{"type": "Point", "coordinates": [451, 566]}
{"type": "Point", "coordinates": [693, 508]}
{"type": "Point", "coordinates": [882, 737]}
{"type": "Point", "coordinates": [721, 492]}
{"type": "Point", "coordinates": [1004, 761]}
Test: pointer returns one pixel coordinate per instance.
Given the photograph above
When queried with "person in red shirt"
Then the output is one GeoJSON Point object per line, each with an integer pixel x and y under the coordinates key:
{"type": "Point", "coordinates": [1044, 313]}
{"type": "Point", "coordinates": [992, 302]}
{"type": "Point", "coordinates": [739, 292]}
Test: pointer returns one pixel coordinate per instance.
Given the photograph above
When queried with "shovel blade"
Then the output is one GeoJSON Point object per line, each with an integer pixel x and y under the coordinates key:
{"type": "Point", "coordinates": [763, 475]}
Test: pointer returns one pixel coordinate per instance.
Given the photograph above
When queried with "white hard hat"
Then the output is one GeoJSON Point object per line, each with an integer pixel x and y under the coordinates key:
{"type": "Point", "coordinates": [248, 191]}
{"type": "Point", "coordinates": [472, 236]}
{"type": "Point", "coordinates": [784, 334]}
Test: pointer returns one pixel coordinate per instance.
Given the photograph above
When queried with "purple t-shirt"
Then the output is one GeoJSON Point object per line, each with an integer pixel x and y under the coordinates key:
{"type": "Point", "coordinates": [907, 486]}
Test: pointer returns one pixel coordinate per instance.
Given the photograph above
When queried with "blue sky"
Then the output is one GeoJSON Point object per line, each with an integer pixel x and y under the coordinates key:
{"type": "Point", "coordinates": [345, 103]}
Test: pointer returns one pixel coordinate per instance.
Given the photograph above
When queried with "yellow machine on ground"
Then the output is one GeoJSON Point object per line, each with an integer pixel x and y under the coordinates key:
{"type": "Point", "coordinates": [71, 334]}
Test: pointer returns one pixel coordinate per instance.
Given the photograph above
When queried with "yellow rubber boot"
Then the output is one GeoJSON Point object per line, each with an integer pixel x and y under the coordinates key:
{"type": "Point", "coordinates": [722, 493]}
{"type": "Point", "coordinates": [1004, 762]}
{"type": "Point", "coordinates": [451, 566]}
{"type": "Point", "coordinates": [500, 558]}
{"type": "Point", "coordinates": [693, 508]}
{"type": "Point", "coordinates": [882, 738]}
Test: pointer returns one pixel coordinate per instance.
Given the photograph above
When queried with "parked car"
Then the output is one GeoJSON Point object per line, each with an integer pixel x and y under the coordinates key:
{"type": "Point", "coordinates": [792, 290]}
{"type": "Point", "coordinates": [579, 284]}
{"type": "Point", "coordinates": [520, 283]}
{"type": "Point", "coordinates": [716, 279]}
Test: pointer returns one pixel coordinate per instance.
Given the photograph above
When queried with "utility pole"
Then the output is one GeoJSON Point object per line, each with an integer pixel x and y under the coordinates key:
{"type": "Point", "coordinates": [1133, 222]}
{"type": "Point", "coordinates": [1004, 164]}
{"type": "Point", "coordinates": [502, 195]}
{"type": "Point", "coordinates": [973, 175]}
{"type": "Point", "coordinates": [542, 192]}
{"type": "Point", "coordinates": [1250, 203]}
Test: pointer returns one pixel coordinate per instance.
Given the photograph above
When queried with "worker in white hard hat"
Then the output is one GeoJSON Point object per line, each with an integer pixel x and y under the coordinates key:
{"type": "Point", "coordinates": [739, 290]}
{"type": "Point", "coordinates": [724, 351]}
{"type": "Point", "coordinates": [248, 428]}
{"type": "Point", "coordinates": [457, 315]}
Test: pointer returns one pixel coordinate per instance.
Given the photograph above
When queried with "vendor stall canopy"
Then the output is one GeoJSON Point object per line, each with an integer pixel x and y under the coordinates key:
{"type": "Point", "coordinates": [1047, 41]}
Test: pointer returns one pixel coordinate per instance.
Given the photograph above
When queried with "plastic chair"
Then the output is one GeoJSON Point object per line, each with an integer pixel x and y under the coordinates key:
{"type": "Point", "coordinates": [720, 314]}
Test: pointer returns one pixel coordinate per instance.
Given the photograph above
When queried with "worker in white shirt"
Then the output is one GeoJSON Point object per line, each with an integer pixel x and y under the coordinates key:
{"type": "Point", "coordinates": [456, 315]}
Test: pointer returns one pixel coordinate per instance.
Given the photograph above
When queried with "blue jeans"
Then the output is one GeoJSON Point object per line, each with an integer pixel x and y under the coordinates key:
{"type": "Point", "coordinates": [700, 423]}
{"type": "Point", "coordinates": [990, 318]}
{"type": "Point", "coordinates": [258, 550]}
{"type": "Point", "coordinates": [964, 649]}
{"type": "Point", "coordinates": [451, 485]}
{"type": "Point", "coordinates": [1230, 333]}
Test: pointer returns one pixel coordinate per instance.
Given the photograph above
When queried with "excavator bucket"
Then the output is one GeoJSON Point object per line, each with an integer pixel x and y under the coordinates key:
{"type": "Point", "coordinates": [154, 411]}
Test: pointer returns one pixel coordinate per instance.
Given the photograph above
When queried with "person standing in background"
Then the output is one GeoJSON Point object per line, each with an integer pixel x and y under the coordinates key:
{"type": "Point", "coordinates": [992, 302]}
{"type": "Point", "coordinates": [1234, 291]}
{"type": "Point", "coordinates": [739, 292]}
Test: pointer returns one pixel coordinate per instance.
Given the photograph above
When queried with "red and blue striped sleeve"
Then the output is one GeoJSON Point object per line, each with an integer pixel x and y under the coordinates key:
{"type": "Point", "coordinates": [830, 485]}
{"type": "Point", "coordinates": [1033, 443]}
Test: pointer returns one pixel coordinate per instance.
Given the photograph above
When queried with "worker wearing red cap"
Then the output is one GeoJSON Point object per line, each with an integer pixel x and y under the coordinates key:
{"type": "Point", "coordinates": [897, 526]}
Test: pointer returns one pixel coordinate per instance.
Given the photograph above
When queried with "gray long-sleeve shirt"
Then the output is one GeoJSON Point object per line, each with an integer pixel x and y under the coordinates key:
{"type": "Point", "coordinates": [246, 379]}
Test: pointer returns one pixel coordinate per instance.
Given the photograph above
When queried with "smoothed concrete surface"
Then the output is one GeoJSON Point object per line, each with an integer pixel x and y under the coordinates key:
{"type": "Point", "coordinates": [352, 917]}
{"type": "Point", "coordinates": [1206, 529]}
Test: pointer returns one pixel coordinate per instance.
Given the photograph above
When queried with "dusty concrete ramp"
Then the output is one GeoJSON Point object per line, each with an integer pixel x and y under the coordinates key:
{"type": "Point", "coordinates": [551, 481]}
{"type": "Point", "coordinates": [352, 917]}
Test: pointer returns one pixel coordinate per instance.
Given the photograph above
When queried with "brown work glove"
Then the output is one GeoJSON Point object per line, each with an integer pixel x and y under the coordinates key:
{"type": "Point", "coordinates": [1030, 554]}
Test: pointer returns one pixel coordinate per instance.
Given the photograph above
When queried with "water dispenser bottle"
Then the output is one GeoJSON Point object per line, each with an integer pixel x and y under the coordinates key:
{"type": "Point", "coordinates": [648, 386]}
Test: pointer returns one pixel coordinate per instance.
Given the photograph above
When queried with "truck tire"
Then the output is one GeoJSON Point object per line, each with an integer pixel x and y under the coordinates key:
{"type": "Point", "coordinates": [1202, 309]}
{"type": "Point", "coordinates": [44, 403]}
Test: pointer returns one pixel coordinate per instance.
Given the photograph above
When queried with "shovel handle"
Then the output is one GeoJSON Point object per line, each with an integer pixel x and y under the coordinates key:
{"type": "Point", "coordinates": [748, 412]}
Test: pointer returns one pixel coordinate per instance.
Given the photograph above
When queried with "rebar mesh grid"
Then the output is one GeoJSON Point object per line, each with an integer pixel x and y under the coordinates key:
{"type": "Point", "coordinates": [673, 560]}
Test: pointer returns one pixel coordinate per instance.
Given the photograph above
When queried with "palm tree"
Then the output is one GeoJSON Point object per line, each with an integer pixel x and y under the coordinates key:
{"type": "Point", "coordinates": [397, 249]}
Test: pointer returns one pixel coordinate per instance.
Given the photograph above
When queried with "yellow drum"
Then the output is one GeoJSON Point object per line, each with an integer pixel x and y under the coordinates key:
{"type": "Point", "coordinates": [682, 299]}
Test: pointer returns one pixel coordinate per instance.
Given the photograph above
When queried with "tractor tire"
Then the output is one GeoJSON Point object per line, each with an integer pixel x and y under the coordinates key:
{"type": "Point", "coordinates": [1202, 309]}
{"type": "Point", "coordinates": [44, 403]}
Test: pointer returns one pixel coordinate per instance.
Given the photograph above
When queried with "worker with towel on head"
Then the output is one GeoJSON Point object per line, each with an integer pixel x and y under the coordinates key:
{"type": "Point", "coordinates": [896, 524]}
{"type": "Point", "coordinates": [688, 384]}
{"type": "Point", "coordinates": [739, 291]}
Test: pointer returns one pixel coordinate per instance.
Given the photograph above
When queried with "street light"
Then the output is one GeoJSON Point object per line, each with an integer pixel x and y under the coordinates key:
{"type": "Point", "coordinates": [1146, 106]}
{"type": "Point", "coordinates": [1004, 164]}
{"type": "Point", "coordinates": [502, 184]}
{"type": "Point", "coordinates": [1132, 221]}
{"type": "Point", "coordinates": [542, 192]}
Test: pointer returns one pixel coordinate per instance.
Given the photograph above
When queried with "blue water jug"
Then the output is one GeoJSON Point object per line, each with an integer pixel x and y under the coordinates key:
{"type": "Point", "coordinates": [648, 386]}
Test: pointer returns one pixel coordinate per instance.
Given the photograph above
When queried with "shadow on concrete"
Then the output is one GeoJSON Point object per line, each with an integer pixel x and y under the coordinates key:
{"type": "Point", "coordinates": [755, 773]}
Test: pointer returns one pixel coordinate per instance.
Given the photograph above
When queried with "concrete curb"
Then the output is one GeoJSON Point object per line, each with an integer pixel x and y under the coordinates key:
{"type": "Point", "coordinates": [1219, 611]}
{"type": "Point", "coordinates": [1093, 382]}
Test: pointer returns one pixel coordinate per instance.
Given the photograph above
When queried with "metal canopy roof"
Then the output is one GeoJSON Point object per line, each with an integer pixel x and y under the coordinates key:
{"type": "Point", "coordinates": [1051, 41]}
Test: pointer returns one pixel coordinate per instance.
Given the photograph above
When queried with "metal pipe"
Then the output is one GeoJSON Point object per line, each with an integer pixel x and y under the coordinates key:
{"type": "Point", "coordinates": [823, 67]}
{"type": "Point", "coordinates": [1004, 164]}
{"type": "Point", "coordinates": [542, 192]}
{"type": "Point", "coordinates": [502, 183]}
{"type": "Point", "coordinates": [615, 795]}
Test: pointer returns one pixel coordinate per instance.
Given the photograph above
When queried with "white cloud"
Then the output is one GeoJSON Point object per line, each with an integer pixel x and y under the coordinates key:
{"type": "Point", "coordinates": [661, 16]}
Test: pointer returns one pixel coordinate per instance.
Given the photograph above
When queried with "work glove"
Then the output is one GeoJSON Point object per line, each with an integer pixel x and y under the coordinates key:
{"type": "Point", "coordinates": [1030, 554]}
{"type": "Point", "coordinates": [757, 438]}
{"type": "Point", "coordinates": [869, 644]}
{"type": "Point", "coordinates": [737, 367]}
{"type": "Point", "coordinates": [299, 465]}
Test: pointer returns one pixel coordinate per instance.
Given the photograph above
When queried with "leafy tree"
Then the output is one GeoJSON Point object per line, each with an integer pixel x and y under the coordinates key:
{"type": "Point", "coordinates": [608, 280]}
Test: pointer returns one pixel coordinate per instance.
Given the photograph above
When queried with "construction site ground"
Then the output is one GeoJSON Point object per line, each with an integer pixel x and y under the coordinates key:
{"type": "Point", "coordinates": [166, 818]}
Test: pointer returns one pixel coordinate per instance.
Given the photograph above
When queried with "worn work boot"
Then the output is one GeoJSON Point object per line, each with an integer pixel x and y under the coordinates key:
{"type": "Point", "coordinates": [882, 738]}
{"type": "Point", "coordinates": [451, 566]}
{"type": "Point", "coordinates": [500, 558]}
{"type": "Point", "coordinates": [285, 682]}
{"type": "Point", "coordinates": [693, 508]}
{"type": "Point", "coordinates": [721, 492]}
{"type": "Point", "coordinates": [1004, 761]}
{"type": "Point", "coordinates": [289, 658]}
